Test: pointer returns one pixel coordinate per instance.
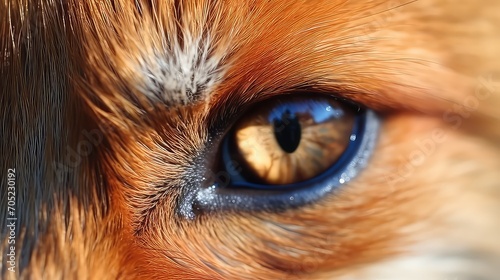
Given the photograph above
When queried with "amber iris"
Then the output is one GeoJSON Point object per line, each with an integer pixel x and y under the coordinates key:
{"type": "Point", "coordinates": [293, 140]}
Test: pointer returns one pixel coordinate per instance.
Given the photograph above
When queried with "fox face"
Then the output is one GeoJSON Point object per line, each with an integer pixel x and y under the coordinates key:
{"type": "Point", "coordinates": [250, 139]}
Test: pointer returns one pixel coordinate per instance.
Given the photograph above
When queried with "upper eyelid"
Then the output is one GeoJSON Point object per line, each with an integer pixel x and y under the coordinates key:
{"type": "Point", "coordinates": [231, 108]}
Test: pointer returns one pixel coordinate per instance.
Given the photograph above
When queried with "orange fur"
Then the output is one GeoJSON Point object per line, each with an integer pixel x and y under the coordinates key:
{"type": "Point", "coordinates": [70, 68]}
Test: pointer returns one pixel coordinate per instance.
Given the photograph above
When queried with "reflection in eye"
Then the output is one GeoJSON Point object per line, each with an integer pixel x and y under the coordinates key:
{"type": "Point", "coordinates": [285, 142]}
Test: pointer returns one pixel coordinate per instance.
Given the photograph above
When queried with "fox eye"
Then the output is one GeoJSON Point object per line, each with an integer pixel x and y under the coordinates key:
{"type": "Point", "coordinates": [289, 141]}
{"type": "Point", "coordinates": [284, 152]}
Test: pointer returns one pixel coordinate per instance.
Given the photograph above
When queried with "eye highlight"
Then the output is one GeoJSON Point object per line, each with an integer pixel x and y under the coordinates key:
{"type": "Point", "coordinates": [289, 141]}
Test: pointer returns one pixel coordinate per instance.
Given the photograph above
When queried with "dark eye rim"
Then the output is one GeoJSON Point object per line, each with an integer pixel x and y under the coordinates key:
{"type": "Point", "coordinates": [216, 198]}
{"type": "Point", "coordinates": [239, 181]}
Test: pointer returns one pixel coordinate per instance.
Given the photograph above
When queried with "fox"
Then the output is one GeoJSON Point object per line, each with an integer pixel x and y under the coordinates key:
{"type": "Point", "coordinates": [250, 139]}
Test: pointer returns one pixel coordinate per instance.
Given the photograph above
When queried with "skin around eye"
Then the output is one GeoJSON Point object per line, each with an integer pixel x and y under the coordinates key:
{"type": "Point", "coordinates": [285, 142]}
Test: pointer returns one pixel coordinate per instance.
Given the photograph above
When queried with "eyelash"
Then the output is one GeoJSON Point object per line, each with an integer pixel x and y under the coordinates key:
{"type": "Point", "coordinates": [245, 196]}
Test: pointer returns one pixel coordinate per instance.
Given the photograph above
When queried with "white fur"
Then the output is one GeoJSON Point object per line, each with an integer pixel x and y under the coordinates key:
{"type": "Point", "coordinates": [181, 74]}
{"type": "Point", "coordinates": [441, 265]}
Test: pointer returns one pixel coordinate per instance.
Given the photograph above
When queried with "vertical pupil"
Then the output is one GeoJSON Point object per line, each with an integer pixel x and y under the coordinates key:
{"type": "Point", "coordinates": [287, 131]}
